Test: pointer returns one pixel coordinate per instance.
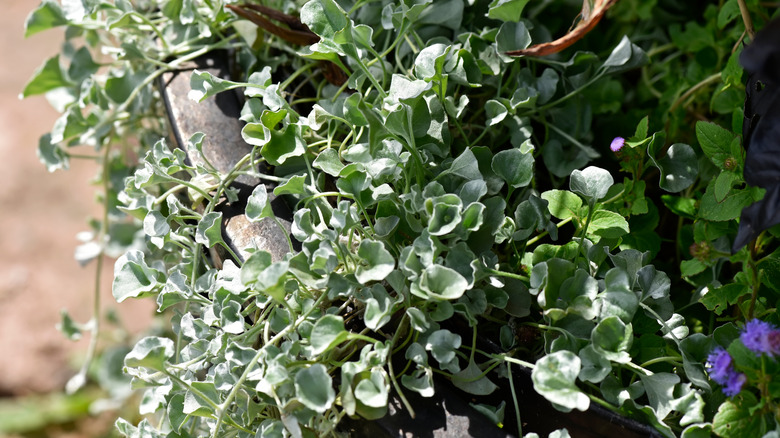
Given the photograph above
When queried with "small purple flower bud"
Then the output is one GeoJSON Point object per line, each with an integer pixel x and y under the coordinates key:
{"type": "Point", "coordinates": [720, 365]}
{"type": "Point", "coordinates": [756, 336]}
{"type": "Point", "coordinates": [734, 384]}
{"type": "Point", "coordinates": [617, 144]}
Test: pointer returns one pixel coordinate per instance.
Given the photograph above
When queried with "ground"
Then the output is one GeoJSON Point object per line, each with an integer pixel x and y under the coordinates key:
{"type": "Point", "coordinates": [40, 215]}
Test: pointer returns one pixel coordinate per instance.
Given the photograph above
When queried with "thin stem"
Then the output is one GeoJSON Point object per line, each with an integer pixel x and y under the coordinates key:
{"type": "Point", "coordinates": [706, 81]}
{"type": "Point", "coordinates": [743, 9]}
{"type": "Point", "coordinates": [222, 409]}
{"type": "Point", "coordinates": [506, 274]}
{"type": "Point", "coordinates": [514, 398]}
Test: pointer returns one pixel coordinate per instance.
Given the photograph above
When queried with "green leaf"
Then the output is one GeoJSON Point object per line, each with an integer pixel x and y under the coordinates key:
{"type": "Point", "coordinates": [405, 90]}
{"type": "Point", "coordinates": [429, 63]}
{"type": "Point", "coordinates": [325, 18]}
{"type": "Point", "coordinates": [47, 77]}
{"type": "Point", "coordinates": [442, 345]}
{"type": "Point", "coordinates": [376, 262]}
{"type": "Point", "coordinates": [608, 224]}
{"type": "Point", "coordinates": [625, 56]}
{"type": "Point", "coordinates": [679, 168]}
{"type": "Point", "coordinates": [495, 112]}
{"type": "Point", "coordinates": [465, 166]}
{"type": "Point", "coordinates": [769, 270]}
{"type": "Point", "coordinates": [133, 278]}
{"type": "Point", "coordinates": [295, 185]}
{"type": "Point", "coordinates": [314, 388]}
{"type": "Point", "coordinates": [68, 326]}
{"type": "Point", "coordinates": [736, 418]}
{"type": "Point", "coordinates": [618, 299]}
{"type": "Point", "coordinates": [514, 167]}
{"type": "Point", "coordinates": [469, 380]}
{"type": "Point", "coordinates": [204, 85]}
{"type": "Point", "coordinates": [681, 206]}
{"type": "Point", "coordinates": [379, 307]}
{"type": "Point", "coordinates": [257, 205]}
{"type": "Point", "coordinates": [612, 338]}
{"type": "Point", "coordinates": [554, 377]}
{"type": "Point", "coordinates": [445, 212]}
{"type": "Point", "coordinates": [512, 36]}
{"type": "Point", "coordinates": [46, 16]}
{"type": "Point", "coordinates": [723, 184]}
{"type": "Point", "coordinates": [328, 161]}
{"type": "Point", "coordinates": [719, 299]}
{"type": "Point", "coordinates": [506, 10]}
{"type": "Point", "coordinates": [715, 142]}
{"type": "Point", "coordinates": [327, 333]}
{"type": "Point", "coordinates": [659, 388]}
{"type": "Point", "coordinates": [373, 392]}
{"type": "Point", "coordinates": [562, 204]}
{"type": "Point", "coordinates": [440, 282]}
{"type": "Point", "coordinates": [209, 231]}
{"type": "Point", "coordinates": [51, 155]}
{"type": "Point", "coordinates": [591, 182]}
{"type": "Point", "coordinates": [150, 352]}
{"type": "Point", "coordinates": [729, 208]}
{"type": "Point", "coordinates": [595, 367]}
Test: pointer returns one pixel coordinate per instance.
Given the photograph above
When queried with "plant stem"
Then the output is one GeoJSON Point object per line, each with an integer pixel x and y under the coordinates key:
{"type": "Point", "coordinates": [743, 9]}
{"type": "Point", "coordinates": [514, 399]}
{"type": "Point", "coordinates": [278, 337]}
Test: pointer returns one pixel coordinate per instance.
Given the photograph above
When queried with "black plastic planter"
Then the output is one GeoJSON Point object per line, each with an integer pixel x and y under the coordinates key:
{"type": "Point", "coordinates": [448, 413]}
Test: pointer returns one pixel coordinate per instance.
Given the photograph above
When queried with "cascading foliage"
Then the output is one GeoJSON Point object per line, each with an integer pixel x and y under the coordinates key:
{"type": "Point", "coordinates": [444, 193]}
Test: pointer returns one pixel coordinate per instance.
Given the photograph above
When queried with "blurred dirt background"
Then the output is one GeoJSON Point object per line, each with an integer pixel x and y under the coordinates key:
{"type": "Point", "coordinates": [40, 215]}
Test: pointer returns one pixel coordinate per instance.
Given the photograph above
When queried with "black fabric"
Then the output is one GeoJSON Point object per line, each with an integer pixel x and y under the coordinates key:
{"type": "Point", "coordinates": [761, 131]}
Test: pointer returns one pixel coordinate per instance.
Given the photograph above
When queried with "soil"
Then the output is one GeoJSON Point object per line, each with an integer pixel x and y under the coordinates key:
{"type": "Point", "coordinates": [40, 215]}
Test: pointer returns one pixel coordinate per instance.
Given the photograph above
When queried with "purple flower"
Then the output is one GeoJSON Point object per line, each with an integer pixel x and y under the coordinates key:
{"type": "Point", "coordinates": [617, 144]}
{"type": "Point", "coordinates": [734, 384]}
{"type": "Point", "coordinates": [720, 365]}
{"type": "Point", "coordinates": [761, 337]}
{"type": "Point", "coordinates": [723, 373]}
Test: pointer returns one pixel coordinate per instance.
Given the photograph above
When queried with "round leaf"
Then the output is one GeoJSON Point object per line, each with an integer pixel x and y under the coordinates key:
{"type": "Point", "coordinates": [514, 167]}
{"type": "Point", "coordinates": [554, 376]}
{"type": "Point", "coordinates": [591, 182]}
{"type": "Point", "coordinates": [314, 388]}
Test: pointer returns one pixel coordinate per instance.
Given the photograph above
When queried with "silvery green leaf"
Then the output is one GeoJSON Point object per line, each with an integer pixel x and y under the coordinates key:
{"type": "Point", "coordinates": [405, 90]}
{"type": "Point", "coordinates": [327, 333]}
{"type": "Point", "coordinates": [133, 277]}
{"type": "Point", "coordinates": [469, 380]}
{"type": "Point", "coordinates": [612, 338]}
{"type": "Point", "coordinates": [495, 112]}
{"type": "Point", "coordinates": [442, 345]}
{"type": "Point", "coordinates": [440, 282]}
{"type": "Point", "coordinates": [591, 182]}
{"type": "Point", "coordinates": [554, 377]}
{"type": "Point", "coordinates": [204, 85]}
{"type": "Point", "coordinates": [150, 352]}
{"type": "Point", "coordinates": [595, 367]}
{"type": "Point", "coordinates": [209, 231]}
{"type": "Point", "coordinates": [618, 299]}
{"type": "Point", "coordinates": [512, 36]}
{"type": "Point", "coordinates": [373, 391]}
{"type": "Point", "coordinates": [514, 167]}
{"type": "Point", "coordinates": [314, 388]}
{"type": "Point", "coordinates": [506, 10]}
{"type": "Point", "coordinates": [659, 388]}
{"type": "Point", "coordinates": [377, 262]}
{"type": "Point", "coordinates": [625, 56]}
